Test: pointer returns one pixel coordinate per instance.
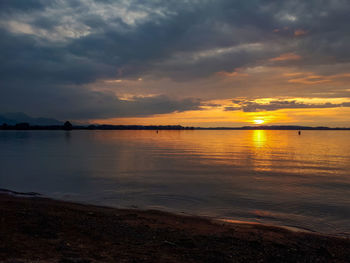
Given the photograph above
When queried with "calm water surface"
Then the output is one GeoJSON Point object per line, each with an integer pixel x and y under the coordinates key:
{"type": "Point", "coordinates": [274, 177]}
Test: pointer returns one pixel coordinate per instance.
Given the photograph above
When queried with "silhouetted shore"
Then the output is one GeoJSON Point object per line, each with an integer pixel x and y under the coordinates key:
{"type": "Point", "coordinates": [27, 126]}
{"type": "Point", "coordinates": [37, 229]}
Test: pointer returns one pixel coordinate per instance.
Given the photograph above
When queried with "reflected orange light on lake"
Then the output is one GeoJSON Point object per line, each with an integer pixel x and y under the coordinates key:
{"type": "Point", "coordinates": [259, 150]}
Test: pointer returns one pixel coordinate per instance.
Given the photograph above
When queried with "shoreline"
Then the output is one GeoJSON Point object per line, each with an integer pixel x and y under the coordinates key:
{"type": "Point", "coordinates": [217, 220]}
{"type": "Point", "coordinates": [40, 229]}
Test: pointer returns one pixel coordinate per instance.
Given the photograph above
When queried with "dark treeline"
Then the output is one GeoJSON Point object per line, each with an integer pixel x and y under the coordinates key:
{"type": "Point", "coordinates": [68, 126]}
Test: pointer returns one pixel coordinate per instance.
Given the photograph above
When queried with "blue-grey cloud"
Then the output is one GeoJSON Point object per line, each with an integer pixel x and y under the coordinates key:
{"type": "Point", "coordinates": [83, 104]}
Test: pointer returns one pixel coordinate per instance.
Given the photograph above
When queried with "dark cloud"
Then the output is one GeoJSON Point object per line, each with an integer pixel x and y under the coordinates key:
{"type": "Point", "coordinates": [22, 5]}
{"type": "Point", "coordinates": [65, 102]}
{"type": "Point", "coordinates": [232, 108]}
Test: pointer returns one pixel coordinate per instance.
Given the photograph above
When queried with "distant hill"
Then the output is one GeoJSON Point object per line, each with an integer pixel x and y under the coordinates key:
{"type": "Point", "coordinates": [12, 118]}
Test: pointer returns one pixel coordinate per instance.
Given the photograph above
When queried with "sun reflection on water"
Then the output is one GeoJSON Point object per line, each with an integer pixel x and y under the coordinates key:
{"type": "Point", "coordinates": [259, 138]}
{"type": "Point", "coordinates": [258, 150]}
{"type": "Point", "coordinates": [272, 176]}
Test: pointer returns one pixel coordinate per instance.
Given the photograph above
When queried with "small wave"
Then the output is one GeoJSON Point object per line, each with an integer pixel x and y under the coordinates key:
{"type": "Point", "coordinates": [28, 194]}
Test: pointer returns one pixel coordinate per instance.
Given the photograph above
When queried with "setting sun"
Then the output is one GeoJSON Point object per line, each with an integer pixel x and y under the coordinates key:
{"type": "Point", "coordinates": [258, 121]}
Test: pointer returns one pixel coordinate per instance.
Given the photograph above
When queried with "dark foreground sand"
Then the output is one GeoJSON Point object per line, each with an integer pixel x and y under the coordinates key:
{"type": "Point", "coordinates": [42, 230]}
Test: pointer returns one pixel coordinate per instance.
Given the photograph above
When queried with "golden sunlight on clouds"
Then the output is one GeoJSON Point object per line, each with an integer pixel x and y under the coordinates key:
{"type": "Point", "coordinates": [220, 118]}
{"type": "Point", "coordinates": [207, 117]}
{"type": "Point", "coordinates": [230, 113]}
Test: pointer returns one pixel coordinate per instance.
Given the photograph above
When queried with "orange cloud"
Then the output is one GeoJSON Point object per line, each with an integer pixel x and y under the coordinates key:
{"type": "Point", "coordinates": [286, 56]}
{"type": "Point", "coordinates": [299, 32]}
{"type": "Point", "coordinates": [113, 81]}
{"type": "Point", "coordinates": [311, 79]}
{"type": "Point", "coordinates": [293, 74]}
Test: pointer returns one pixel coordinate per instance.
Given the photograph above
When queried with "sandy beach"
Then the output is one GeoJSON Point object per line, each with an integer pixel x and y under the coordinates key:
{"type": "Point", "coordinates": [36, 229]}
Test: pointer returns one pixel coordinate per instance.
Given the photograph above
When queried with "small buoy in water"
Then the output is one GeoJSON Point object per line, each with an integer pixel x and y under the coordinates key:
{"type": "Point", "coordinates": [299, 132]}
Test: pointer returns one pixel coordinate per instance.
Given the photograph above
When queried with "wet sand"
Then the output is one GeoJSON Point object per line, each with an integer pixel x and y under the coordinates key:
{"type": "Point", "coordinates": [35, 229]}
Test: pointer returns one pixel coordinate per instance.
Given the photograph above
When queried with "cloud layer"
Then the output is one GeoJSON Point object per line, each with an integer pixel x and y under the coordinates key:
{"type": "Point", "coordinates": [56, 54]}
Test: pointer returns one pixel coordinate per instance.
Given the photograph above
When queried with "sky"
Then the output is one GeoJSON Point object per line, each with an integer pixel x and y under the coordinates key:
{"type": "Point", "coordinates": [189, 62]}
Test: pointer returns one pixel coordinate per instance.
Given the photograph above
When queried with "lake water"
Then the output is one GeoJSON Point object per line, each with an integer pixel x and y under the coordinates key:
{"type": "Point", "coordinates": [274, 177]}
